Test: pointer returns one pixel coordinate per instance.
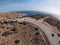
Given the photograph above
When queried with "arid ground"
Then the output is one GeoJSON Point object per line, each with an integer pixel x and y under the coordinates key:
{"type": "Point", "coordinates": [13, 32]}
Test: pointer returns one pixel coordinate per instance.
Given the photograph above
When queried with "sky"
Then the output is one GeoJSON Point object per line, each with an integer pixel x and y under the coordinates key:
{"type": "Point", "coordinates": [51, 6]}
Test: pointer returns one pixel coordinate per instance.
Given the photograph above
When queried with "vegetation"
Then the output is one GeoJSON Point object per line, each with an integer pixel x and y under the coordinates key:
{"type": "Point", "coordinates": [38, 16]}
{"type": "Point", "coordinates": [24, 23]}
{"type": "Point", "coordinates": [17, 41]}
{"type": "Point", "coordinates": [2, 27]}
{"type": "Point", "coordinates": [36, 29]}
{"type": "Point", "coordinates": [37, 33]}
{"type": "Point", "coordinates": [6, 33]}
{"type": "Point", "coordinates": [53, 22]}
{"type": "Point", "coordinates": [5, 22]}
{"type": "Point", "coordinates": [59, 35]}
{"type": "Point", "coordinates": [52, 35]}
{"type": "Point", "coordinates": [14, 29]}
{"type": "Point", "coordinates": [58, 25]}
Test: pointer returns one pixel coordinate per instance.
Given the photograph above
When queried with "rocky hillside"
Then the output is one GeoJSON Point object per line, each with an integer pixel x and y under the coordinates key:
{"type": "Point", "coordinates": [21, 33]}
{"type": "Point", "coordinates": [13, 32]}
{"type": "Point", "coordinates": [49, 19]}
{"type": "Point", "coordinates": [11, 15]}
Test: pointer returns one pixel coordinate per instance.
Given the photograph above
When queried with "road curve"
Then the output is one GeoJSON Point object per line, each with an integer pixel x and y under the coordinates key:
{"type": "Point", "coordinates": [53, 40]}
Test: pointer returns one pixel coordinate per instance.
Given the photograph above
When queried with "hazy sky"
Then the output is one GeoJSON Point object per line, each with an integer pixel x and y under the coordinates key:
{"type": "Point", "coordinates": [52, 6]}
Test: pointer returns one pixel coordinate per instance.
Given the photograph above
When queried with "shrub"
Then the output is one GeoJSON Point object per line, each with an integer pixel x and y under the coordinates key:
{"type": "Point", "coordinates": [6, 33]}
{"type": "Point", "coordinates": [24, 23]}
{"type": "Point", "coordinates": [17, 41]}
{"type": "Point", "coordinates": [38, 16]}
{"type": "Point", "coordinates": [36, 29]}
{"type": "Point", "coordinates": [51, 21]}
{"type": "Point", "coordinates": [14, 29]}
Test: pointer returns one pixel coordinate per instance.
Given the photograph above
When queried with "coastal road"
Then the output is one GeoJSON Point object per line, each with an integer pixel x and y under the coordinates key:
{"type": "Point", "coordinates": [54, 40]}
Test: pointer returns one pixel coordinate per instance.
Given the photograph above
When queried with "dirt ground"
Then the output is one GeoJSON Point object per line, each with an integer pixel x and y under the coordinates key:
{"type": "Point", "coordinates": [21, 33]}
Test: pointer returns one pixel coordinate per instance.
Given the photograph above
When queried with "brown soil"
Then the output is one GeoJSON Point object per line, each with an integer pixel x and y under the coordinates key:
{"type": "Point", "coordinates": [21, 33]}
{"type": "Point", "coordinates": [11, 15]}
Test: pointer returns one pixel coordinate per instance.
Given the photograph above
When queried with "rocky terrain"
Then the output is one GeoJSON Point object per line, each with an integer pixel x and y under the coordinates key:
{"type": "Point", "coordinates": [48, 19]}
{"type": "Point", "coordinates": [13, 32]}
{"type": "Point", "coordinates": [11, 15]}
{"type": "Point", "coordinates": [21, 33]}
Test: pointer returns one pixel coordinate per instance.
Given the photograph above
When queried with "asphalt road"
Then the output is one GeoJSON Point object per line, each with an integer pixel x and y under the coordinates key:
{"type": "Point", "coordinates": [54, 40]}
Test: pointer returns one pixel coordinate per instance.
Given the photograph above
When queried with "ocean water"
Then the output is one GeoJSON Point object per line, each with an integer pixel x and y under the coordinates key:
{"type": "Point", "coordinates": [29, 13]}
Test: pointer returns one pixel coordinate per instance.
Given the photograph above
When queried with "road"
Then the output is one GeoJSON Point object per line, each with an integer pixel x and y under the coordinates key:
{"type": "Point", "coordinates": [53, 40]}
